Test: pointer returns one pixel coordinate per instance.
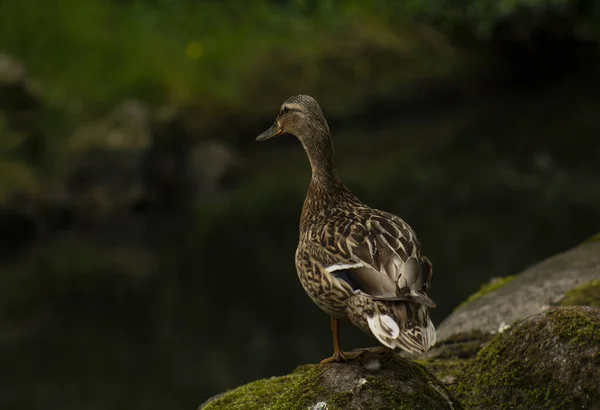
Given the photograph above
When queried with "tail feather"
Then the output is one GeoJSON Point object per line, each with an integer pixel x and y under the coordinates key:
{"type": "Point", "coordinates": [409, 329]}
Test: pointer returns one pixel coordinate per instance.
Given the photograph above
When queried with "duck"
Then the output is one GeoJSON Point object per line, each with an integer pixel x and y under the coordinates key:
{"type": "Point", "coordinates": [358, 264]}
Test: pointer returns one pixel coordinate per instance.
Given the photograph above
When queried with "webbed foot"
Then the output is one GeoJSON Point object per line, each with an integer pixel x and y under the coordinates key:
{"type": "Point", "coordinates": [340, 356]}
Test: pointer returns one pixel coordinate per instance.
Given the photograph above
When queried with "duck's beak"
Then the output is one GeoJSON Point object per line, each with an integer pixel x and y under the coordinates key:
{"type": "Point", "coordinates": [274, 131]}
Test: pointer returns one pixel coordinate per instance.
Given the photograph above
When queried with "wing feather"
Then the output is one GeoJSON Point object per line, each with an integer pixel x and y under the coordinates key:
{"type": "Point", "coordinates": [379, 253]}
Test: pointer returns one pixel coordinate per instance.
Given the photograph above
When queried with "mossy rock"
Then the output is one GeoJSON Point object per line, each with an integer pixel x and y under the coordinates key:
{"type": "Point", "coordinates": [587, 294]}
{"type": "Point", "coordinates": [533, 291]}
{"type": "Point", "coordinates": [491, 286]}
{"type": "Point", "coordinates": [373, 381]}
{"type": "Point", "coordinates": [550, 361]}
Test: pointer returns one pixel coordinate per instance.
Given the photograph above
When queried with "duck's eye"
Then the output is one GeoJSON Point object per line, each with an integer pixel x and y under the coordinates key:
{"type": "Point", "coordinates": [286, 110]}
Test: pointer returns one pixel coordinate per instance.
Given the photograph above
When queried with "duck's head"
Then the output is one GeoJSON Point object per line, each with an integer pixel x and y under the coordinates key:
{"type": "Point", "coordinates": [300, 116]}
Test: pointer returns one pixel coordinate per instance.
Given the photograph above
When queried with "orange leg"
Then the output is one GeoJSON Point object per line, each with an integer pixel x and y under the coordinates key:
{"type": "Point", "coordinates": [338, 355]}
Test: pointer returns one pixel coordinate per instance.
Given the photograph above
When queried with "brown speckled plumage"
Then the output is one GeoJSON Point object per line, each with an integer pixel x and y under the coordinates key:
{"type": "Point", "coordinates": [356, 263]}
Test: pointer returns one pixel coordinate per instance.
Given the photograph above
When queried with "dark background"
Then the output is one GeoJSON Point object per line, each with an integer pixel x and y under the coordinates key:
{"type": "Point", "coordinates": [146, 243]}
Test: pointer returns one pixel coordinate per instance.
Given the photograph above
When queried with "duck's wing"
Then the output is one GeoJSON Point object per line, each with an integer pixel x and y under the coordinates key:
{"type": "Point", "coordinates": [377, 254]}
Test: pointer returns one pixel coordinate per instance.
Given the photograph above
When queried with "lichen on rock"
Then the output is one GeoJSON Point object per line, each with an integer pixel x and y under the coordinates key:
{"type": "Point", "coordinates": [373, 381]}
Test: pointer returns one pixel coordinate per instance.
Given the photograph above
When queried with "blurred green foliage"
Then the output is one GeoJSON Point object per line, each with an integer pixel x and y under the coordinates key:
{"type": "Point", "coordinates": [83, 57]}
{"type": "Point", "coordinates": [220, 58]}
{"type": "Point", "coordinates": [97, 52]}
{"type": "Point", "coordinates": [16, 175]}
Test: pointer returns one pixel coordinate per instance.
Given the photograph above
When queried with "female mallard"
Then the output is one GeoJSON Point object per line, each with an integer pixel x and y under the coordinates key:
{"type": "Point", "coordinates": [356, 263]}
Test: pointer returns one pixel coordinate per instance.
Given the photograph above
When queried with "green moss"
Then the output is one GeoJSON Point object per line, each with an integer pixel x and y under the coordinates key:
{"type": "Point", "coordinates": [257, 395]}
{"type": "Point", "coordinates": [446, 368]}
{"type": "Point", "coordinates": [302, 392]}
{"type": "Point", "coordinates": [581, 330]}
{"type": "Point", "coordinates": [428, 397]}
{"type": "Point", "coordinates": [517, 368]}
{"type": "Point", "coordinates": [339, 400]}
{"type": "Point", "coordinates": [378, 384]}
{"type": "Point", "coordinates": [303, 368]}
{"type": "Point", "coordinates": [587, 294]}
{"type": "Point", "coordinates": [297, 390]}
{"type": "Point", "coordinates": [489, 287]}
{"type": "Point", "coordinates": [410, 386]}
{"type": "Point", "coordinates": [309, 389]}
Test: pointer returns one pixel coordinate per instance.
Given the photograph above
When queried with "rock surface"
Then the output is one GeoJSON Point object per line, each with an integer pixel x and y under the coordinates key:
{"type": "Point", "coordinates": [531, 292]}
{"type": "Point", "coordinates": [550, 360]}
{"type": "Point", "coordinates": [373, 381]}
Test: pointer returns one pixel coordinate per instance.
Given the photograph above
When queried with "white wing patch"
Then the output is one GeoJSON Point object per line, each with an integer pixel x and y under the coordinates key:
{"type": "Point", "coordinates": [342, 266]}
{"type": "Point", "coordinates": [416, 340]}
{"type": "Point", "coordinates": [384, 329]}
{"type": "Point", "coordinates": [389, 323]}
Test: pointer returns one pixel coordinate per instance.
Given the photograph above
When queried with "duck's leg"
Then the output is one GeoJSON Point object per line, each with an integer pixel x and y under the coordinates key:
{"type": "Point", "coordinates": [338, 355]}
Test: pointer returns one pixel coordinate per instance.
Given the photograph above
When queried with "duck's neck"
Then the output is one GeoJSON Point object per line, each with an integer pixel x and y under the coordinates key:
{"type": "Point", "coordinates": [326, 191]}
{"type": "Point", "coordinates": [319, 149]}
